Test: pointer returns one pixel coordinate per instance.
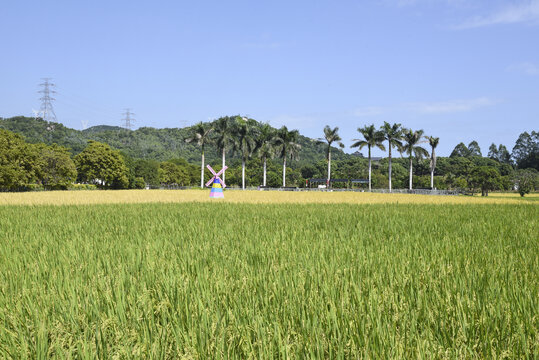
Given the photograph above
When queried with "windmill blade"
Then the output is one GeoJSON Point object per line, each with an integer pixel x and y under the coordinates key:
{"type": "Point", "coordinates": [36, 113]}
{"type": "Point", "coordinates": [222, 183]}
{"type": "Point", "coordinates": [210, 182]}
{"type": "Point", "coordinates": [221, 171]}
{"type": "Point", "coordinates": [211, 170]}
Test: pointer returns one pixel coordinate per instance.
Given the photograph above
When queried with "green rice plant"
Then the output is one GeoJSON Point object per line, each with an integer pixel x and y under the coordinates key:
{"type": "Point", "coordinates": [224, 280]}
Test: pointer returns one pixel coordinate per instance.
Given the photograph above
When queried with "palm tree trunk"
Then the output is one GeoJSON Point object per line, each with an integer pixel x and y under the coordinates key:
{"type": "Point", "coordinates": [223, 164]}
{"type": "Point", "coordinates": [370, 168]}
{"type": "Point", "coordinates": [202, 172]}
{"type": "Point", "coordinates": [329, 167]}
{"type": "Point", "coordinates": [390, 167]}
{"type": "Point", "coordinates": [284, 172]}
{"type": "Point", "coordinates": [264, 171]}
{"type": "Point", "coordinates": [432, 169]}
{"type": "Point", "coordinates": [243, 172]}
{"type": "Point", "coordinates": [410, 184]}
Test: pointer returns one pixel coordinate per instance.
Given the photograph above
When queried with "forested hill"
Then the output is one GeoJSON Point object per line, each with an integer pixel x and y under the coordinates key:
{"type": "Point", "coordinates": [145, 142]}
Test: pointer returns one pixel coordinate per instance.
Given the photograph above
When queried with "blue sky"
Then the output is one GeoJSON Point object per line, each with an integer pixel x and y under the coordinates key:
{"type": "Point", "coordinates": [460, 70]}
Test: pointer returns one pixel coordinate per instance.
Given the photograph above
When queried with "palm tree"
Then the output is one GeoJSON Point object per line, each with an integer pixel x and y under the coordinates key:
{"type": "Point", "coordinates": [411, 147]}
{"type": "Point", "coordinates": [373, 138]}
{"type": "Point", "coordinates": [264, 145]}
{"type": "Point", "coordinates": [223, 129]}
{"type": "Point", "coordinates": [330, 136]}
{"type": "Point", "coordinates": [433, 142]}
{"type": "Point", "coordinates": [287, 145]}
{"type": "Point", "coordinates": [393, 135]}
{"type": "Point", "coordinates": [201, 137]}
{"type": "Point", "coordinates": [244, 142]}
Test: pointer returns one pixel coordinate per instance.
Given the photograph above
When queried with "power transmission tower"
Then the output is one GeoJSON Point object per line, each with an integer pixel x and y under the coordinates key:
{"type": "Point", "coordinates": [128, 120]}
{"type": "Point", "coordinates": [46, 109]}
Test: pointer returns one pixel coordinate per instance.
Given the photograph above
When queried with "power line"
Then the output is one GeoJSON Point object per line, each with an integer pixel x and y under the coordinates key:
{"type": "Point", "coordinates": [46, 109]}
{"type": "Point", "coordinates": [128, 120]}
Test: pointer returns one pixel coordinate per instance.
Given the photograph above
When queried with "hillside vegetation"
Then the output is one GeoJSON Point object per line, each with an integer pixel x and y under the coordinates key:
{"type": "Point", "coordinates": [143, 143]}
{"type": "Point", "coordinates": [35, 154]}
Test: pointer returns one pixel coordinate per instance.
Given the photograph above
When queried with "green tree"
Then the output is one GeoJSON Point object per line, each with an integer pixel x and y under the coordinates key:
{"type": "Point", "coordinates": [526, 180]}
{"type": "Point", "coordinates": [503, 155]}
{"type": "Point", "coordinates": [460, 183]}
{"type": "Point", "coordinates": [372, 139]}
{"type": "Point", "coordinates": [18, 161]}
{"type": "Point", "coordinates": [244, 142]}
{"type": "Point", "coordinates": [500, 154]}
{"type": "Point", "coordinates": [150, 143]}
{"type": "Point", "coordinates": [172, 174]}
{"type": "Point", "coordinates": [37, 131]}
{"type": "Point", "coordinates": [460, 151]}
{"type": "Point", "coordinates": [474, 149]}
{"type": "Point", "coordinates": [147, 169]}
{"type": "Point", "coordinates": [57, 171]}
{"type": "Point", "coordinates": [526, 150]}
{"type": "Point", "coordinates": [286, 142]}
{"type": "Point", "coordinates": [393, 135]}
{"type": "Point", "coordinates": [189, 169]}
{"type": "Point", "coordinates": [130, 164]}
{"type": "Point", "coordinates": [493, 152]}
{"type": "Point", "coordinates": [379, 180]}
{"type": "Point", "coordinates": [99, 164]}
{"type": "Point", "coordinates": [330, 136]}
{"type": "Point", "coordinates": [224, 127]}
{"type": "Point", "coordinates": [412, 148]}
{"type": "Point", "coordinates": [433, 142]}
{"type": "Point", "coordinates": [201, 136]}
{"type": "Point", "coordinates": [399, 172]}
{"type": "Point", "coordinates": [139, 183]}
{"type": "Point", "coordinates": [308, 171]}
{"type": "Point", "coordinates": [485, 178]}
{"type": "Point", "coordinates": [265, 148]}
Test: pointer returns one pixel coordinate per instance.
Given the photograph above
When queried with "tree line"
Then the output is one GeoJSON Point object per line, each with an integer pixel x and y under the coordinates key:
{"type": "Point", "coordinates": [143, 143]}
{"type": "Point", "coordinates": [255, 151]}
{"type": "Point", "coordinates": [243, 136]}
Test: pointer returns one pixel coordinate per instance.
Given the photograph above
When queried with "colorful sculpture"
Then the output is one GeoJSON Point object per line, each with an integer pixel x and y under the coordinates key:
{"type": "Point", "coordinates": [218, 184]}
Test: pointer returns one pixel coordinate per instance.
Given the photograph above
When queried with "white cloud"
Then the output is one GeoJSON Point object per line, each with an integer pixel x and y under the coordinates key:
{"type": "Point", "coordinates": [526, 68]}
{"type": "Point", "coordinates": [524, 12]}
{"type": "Point", "coordinates": [409, 3]}
{"type": "Point", "coordinates": [369, 111]}
{"type": "Point", "coordinates": [450, 106]}
{"type": "Point", "coordinates": [440, 107]}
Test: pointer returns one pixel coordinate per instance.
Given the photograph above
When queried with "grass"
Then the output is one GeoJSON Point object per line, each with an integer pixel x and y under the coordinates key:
{"type": "Point", "coordinates": [239, 280]}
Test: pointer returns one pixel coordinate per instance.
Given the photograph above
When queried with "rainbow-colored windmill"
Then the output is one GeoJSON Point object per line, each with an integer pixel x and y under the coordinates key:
{"type": "Point", "coordinates": [217, 188]}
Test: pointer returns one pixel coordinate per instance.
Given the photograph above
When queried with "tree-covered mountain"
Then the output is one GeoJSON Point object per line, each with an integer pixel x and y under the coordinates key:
{"type": "Point", "coordinates": [145, 142]}
{"type": "Point", "coordinates": [159, 158]}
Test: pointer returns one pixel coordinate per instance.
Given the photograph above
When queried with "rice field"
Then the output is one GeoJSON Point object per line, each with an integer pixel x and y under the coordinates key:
{"type": "Point", "coordinates": [169, 274]}
{"type": "Point", "coordinates": [86, 197]}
